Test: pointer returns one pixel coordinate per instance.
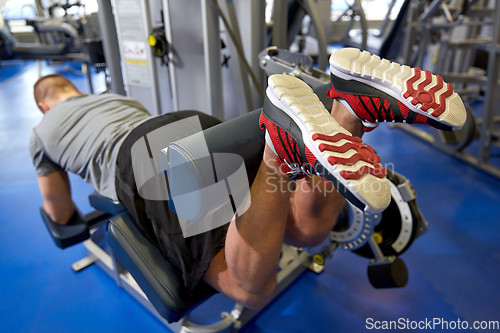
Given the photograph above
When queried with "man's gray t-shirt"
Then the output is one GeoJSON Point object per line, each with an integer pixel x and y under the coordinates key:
{"type": "Point", "coordinates": [83, 135]}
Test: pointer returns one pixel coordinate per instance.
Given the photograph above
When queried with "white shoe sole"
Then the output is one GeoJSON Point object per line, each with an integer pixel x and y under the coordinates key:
{"type": "Point", "coordinates": [297, 100]}
{"type": "Point", "coordinates": [421, 91]}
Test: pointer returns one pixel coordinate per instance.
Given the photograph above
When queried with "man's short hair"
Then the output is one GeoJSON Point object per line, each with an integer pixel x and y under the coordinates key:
{"type": "Point", "coordinates": [48, 87]}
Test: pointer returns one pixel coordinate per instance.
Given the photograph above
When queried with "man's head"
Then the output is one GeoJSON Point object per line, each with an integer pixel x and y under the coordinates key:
{"type": "Point", "coordinates": [52, 89]}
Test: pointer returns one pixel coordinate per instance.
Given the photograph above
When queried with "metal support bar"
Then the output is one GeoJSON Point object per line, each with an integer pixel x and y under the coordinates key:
{"type": "Point", "coordinates": [387, 19]}
{"type": "Point", "coordinates": [273, 60]}
{"type": "Point", "coordinates": [429, 11]}
{"type": "Point", "coordinates": [491, 93]}
{"type": "Point", "coordinates": [313, 12]}
{"type": "Point", "coordinates": [280, 23]}
{"type": "Point", "coordinates": [110, 46]}
{"type": "Point", "coordinates": [447, 13]}
{"type": "Point", "coordinates": [455, 24]}
{"type": "Point", "coordinates": [379, 256]}
{"type": "Point", "coordinates": [86, 71]}
{"type": "Point", "coordinates": [239, 71]}
{"type": "Point", "coordinates": [211, 48]}
{"type": "Point", "coordinates": [83, 263]}
{"type": "Point", "coordinates": [171, 55]}
{"type": "Point", "coordinates": [363, 22]}
{"type": "Point", "coordinates": [252, 23]}
{"type": "Point", "coordinates": [410, 34]}
{"type": "Point", "coordinates": [464, 78]}
{"type": "Point", "coordinates": [40, 11]}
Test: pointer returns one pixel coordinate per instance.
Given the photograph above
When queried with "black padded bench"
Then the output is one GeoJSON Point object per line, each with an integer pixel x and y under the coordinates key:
{"type": "Point", "coordinates": [160, 280]}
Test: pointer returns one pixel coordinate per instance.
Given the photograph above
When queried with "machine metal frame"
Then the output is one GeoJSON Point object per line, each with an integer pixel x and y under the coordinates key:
{"type": "Point", "coordinates": [189, 75]}
{"type": "Point", "coordinates": [488, 134]}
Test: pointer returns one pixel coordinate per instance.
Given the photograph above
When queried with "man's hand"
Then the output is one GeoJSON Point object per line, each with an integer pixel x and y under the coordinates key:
{"type": "Point", "coordinates": [56, 192]}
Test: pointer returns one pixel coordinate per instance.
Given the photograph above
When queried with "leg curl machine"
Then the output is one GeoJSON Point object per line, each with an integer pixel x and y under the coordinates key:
{"type": "Point", "coordinates": [114, 242]}
{"type": "Point", "coordinates": [59, 41]}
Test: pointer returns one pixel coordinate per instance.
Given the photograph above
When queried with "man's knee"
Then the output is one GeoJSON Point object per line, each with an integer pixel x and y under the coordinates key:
{"type": "Point", "coordinates": [306, 237]}
{"type": "Point", "coordinates": [249, 293]}
{"type": "Point", "coordinates": [256, 299]}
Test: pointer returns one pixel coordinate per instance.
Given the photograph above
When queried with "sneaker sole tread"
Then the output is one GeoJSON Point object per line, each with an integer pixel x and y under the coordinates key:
{"type": "Point", "coordinates": [286, 92]}
{"type": "Point", "coordinates": [421, 91]}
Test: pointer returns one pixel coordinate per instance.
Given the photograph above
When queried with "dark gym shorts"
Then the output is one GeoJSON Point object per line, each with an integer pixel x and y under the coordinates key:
{"type": "Point", "coordinates": [191, 255]}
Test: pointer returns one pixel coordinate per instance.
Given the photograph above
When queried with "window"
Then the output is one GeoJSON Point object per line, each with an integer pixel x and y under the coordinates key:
{"type": "Point", "coordinates": [375, 10]}
{"type": "Point", "coordinates": [19, 9]}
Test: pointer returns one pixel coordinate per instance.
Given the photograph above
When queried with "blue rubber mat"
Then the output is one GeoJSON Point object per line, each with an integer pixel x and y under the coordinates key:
{"type": "Point", "coordinates": [10, 68]}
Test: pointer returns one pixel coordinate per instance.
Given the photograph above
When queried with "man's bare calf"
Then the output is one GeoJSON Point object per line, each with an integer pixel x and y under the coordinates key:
{"type": "Point", "coordinates": [300, 213]}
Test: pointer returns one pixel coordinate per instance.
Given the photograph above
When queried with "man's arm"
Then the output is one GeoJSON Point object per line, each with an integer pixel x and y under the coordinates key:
{"type": "Point", "coordinates": [56, 192]}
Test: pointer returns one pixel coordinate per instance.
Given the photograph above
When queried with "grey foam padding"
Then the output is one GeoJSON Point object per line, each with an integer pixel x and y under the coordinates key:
{"type": "Point", "coordinates": [193, 158]}
{"type": "Point", "coordinates": [321, 92]}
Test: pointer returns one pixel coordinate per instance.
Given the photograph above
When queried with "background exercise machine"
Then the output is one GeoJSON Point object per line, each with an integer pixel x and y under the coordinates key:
{"type": "Point", "coordinates": [57, 40]}
{"type": "Point", "coordinates": [459, 40]}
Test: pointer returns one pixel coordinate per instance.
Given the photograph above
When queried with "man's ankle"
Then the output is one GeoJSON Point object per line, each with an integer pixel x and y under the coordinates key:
{"type": "Point", "coordinates": [272, 166]}
{"type": "Point", "coordinates": [346, 119]}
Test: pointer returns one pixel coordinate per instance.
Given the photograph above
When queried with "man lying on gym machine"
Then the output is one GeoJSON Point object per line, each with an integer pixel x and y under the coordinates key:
{"type": "Point", "coordinates": [92, 136]}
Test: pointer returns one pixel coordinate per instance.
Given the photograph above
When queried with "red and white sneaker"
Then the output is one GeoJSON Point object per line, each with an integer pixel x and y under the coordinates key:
{"type": "Point", "coordinates": [377, 90]}
{"type": "Point", "coordinates": [307, 140]}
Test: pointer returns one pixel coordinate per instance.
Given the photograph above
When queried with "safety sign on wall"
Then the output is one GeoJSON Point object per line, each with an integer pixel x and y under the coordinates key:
{"type": "Point", "coordinates": [134, 47]}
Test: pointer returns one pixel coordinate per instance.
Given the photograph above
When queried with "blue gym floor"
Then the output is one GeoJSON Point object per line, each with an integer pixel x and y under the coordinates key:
{"type": "Point", "coordinates": [454, 268]}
